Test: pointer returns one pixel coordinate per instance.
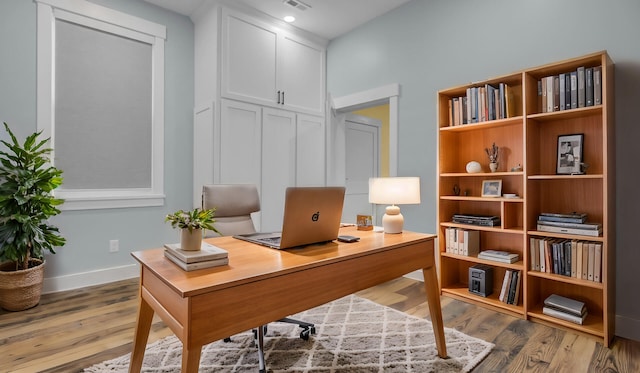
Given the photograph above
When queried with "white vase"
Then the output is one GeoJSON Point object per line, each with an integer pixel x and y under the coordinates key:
{"type": "Point", "coordinates": [191, 241]}
{"type": "Point", "coordinates": [493, 166]}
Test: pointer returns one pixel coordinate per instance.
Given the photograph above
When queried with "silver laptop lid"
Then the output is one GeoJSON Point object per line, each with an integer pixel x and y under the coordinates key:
{"type": "Point", "coordinates": [311, 215]}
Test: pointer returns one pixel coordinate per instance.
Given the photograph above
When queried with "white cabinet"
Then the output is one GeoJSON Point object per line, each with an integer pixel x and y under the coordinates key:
{"type": "Point", "coordinates": [271, 148]}
{"type": "Point", "coordinates": [263, 64]}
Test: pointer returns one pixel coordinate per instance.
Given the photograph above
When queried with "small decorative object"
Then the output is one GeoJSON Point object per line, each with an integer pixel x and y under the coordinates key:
{"type": "Point", "coordinates": [364, 223]}
{"type": "Point", "coordinates": [569, 161]}
{"type": "Point", "coordinates": [456, 190]}
{"type": "Point", "coordinates": [493, 157]}
{"type": "Point", "coordinates": [517, 168]}
{"type": "Point", "coordinates": [491, 188]}
{"type": "Point", "coordinates": [191, 224]}
{"type": "Point", "coordinates": [474, 167]}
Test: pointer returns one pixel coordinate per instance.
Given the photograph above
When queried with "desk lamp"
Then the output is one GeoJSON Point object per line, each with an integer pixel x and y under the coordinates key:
{"type": "Point", "coordinates": [394, 191]}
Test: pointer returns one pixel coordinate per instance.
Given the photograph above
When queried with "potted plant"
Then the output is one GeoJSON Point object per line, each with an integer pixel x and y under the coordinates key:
{"type": "Point", "coordinates": [191, 223]}
{"type": "Point", "coordinates": [27, 181]}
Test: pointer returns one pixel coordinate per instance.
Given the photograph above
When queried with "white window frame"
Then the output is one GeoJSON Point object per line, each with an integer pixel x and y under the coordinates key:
{"type": "Point", "coordinates": [121, 24]}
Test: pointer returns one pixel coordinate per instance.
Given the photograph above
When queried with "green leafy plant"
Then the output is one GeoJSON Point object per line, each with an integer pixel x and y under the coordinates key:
{"type": "Point", "coordinates": [27, 181]}
{"type": "Point", "coordinates": [194, 219]}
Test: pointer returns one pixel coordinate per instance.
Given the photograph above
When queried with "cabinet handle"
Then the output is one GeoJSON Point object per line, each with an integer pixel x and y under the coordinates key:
{"type": "Point", "coordinates": [282, 97]}
{"type": "Point", "coordinates": [278, 97]}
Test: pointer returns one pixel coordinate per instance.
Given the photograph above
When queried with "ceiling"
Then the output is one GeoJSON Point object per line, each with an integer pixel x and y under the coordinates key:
{"type": "Point", "coordinates": [326, 18]}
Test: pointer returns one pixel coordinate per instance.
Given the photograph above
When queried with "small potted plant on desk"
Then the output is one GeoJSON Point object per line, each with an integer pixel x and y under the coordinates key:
{"type": "Point", "coordinates": [27, 181]}
{"type": "Point", "coordinates": [191, 223]}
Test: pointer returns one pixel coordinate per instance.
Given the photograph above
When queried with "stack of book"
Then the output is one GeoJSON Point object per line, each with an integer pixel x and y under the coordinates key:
{"type": "Point", "coordinates": [499, 256]}
{"type": "Point", "coordinates": [462, 241]}
{"type": "Point", "coordinates": [208, 256]}
{"type": "Point", "coordinates": [565, 308]}
{"type": "Point", "coordinates": [510, 290]}
{"type": "Point", "coordinates": [574, 223]}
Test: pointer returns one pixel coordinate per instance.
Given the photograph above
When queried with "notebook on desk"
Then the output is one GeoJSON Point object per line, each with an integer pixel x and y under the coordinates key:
{"type": "Point", "coordinates": [311, 215]}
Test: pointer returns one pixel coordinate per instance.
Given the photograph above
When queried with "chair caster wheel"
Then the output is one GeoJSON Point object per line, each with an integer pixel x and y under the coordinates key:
{"type": "Point", "coordinates": [263, 371]}
{"type": "Point", "coordinates": [228, 339]}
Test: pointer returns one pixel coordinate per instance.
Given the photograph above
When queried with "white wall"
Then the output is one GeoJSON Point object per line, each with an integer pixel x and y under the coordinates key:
{"type": "Point", "coordinates": [428, 45]}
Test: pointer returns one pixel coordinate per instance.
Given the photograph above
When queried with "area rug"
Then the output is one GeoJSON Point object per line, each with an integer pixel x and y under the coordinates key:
{"type": "Point", "coordinates": [352, 335]}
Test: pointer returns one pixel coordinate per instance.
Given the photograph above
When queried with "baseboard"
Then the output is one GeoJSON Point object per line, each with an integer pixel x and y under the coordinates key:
{"type": "Point", "coordinates": [627, 328]}
{"type": "Point", "coordinates": [84, 279]}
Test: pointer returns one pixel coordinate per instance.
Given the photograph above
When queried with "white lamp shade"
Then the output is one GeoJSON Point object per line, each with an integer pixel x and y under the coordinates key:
{"type": "Point", "coordinates": [394, 190]}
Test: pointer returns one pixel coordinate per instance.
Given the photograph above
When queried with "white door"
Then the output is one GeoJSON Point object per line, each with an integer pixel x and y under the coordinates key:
{"type": "Point", "coordinates": [310, 150]}
{"type": "Point", "coordinates": [362, 162]}
{"type": "Point", "coordinates": [278, 164]}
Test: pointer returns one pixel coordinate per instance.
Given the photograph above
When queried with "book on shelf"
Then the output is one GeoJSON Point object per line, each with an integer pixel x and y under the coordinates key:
{"type": "Point", "coordinates": [563, 218]}
{"type": "Point", "coordinates": [567, 93]}
{"type": "Point", "coordinates": [556, 93]}
{"type": "Point", "coordinates": [581, 87]}
{"type": "Point", "coordinates": [550, 94]}
{"type": "Point", "coordinates": [586, 226]}
{"type": "Point", "coordinates": [462, 241]}
{"type": "Point", "coordinates": [597, 85]}
{"type": "Point", "coordinates": [195, 265]}
{"type": "Point", "coordinates": [563, 91]}
{"type": "Point", "coordinates": [564, 316]}
{"type": "Point", "coordinates": [499, 256]}
{"type": "Point", "coordinates": [578, 231]}
{"type": "Point", "coordinates": [482, 220]}
{"type": "Point", "coordinates": [588, 86]}
{"type": "Point", "coordinates": [514, 287]}
{"type": "Point", "coordinates": [207, 252]}
{"type": "Point", "coordinates": [574, 89]}
{"type": "Point", "coordinates": [505, 286]}
{"type": "Point", "coordinates": [565, 304]}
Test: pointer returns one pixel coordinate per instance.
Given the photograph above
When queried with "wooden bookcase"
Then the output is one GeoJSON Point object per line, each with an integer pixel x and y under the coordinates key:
{"type": "Point", "coordinates": [529, 138]}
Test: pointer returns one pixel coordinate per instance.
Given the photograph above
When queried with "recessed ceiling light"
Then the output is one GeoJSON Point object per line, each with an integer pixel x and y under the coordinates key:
{"type": "Point", "coordinates": [289, 19]}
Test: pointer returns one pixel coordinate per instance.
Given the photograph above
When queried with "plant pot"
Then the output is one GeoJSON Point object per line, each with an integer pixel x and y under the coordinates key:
{"type": "Point", "coordinates": [493, 166]}
{"type": "Point", "coordinates": [191, 241]}
{"type": "Point", "coordinates": [20, 290]}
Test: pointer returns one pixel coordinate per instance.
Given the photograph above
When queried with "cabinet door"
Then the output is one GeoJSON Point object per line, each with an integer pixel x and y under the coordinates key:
{"type": "Point", "coordinates": [301, 69]}
{"type": "Point", "coordinates": [278, 164]}
{"type": "Point", "coordinates": [248, 59]}
{"type": "Point", "coordinates": [240, 143]}
{"type": "Point", "coordinates": [310, 151]}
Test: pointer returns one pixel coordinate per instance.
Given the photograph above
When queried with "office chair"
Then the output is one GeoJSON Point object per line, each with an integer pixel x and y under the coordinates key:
{"type": "Point", "coordinates": [234, 204]}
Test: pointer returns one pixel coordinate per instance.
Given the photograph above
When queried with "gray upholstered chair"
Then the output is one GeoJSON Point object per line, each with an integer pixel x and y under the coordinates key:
{"type": "Point", "coordinates": [234, 204]}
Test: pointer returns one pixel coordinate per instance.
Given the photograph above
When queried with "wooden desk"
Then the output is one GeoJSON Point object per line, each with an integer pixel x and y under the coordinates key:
{"type": "Point", "coordinates": [210, 304]}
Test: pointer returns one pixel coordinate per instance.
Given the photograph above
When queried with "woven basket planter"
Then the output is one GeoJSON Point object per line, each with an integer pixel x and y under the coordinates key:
{"type": "Point", "coordinates": [20, 290]}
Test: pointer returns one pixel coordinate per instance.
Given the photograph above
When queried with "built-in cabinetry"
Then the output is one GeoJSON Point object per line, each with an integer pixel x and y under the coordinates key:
{"type": "Point", "coordinates": [266, 123]}
{"type": "Point", "coordinates": [529, 138]}
{"type": "Point", "coordinates": [270, 66]}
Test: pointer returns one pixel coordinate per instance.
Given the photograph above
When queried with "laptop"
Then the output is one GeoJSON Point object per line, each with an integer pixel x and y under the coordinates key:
{"type": "Point", "coordinates": [311, 215]}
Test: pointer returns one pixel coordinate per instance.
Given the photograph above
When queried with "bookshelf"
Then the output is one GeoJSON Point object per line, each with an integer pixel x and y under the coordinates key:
{"type": "Point", "coordinates": [527, 135]}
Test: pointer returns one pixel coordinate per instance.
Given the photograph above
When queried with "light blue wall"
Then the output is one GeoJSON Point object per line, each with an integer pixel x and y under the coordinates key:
{"type": "Point", "coordinates": [88, 232]}
{"type": "Point", "coordinates": [428, 45]}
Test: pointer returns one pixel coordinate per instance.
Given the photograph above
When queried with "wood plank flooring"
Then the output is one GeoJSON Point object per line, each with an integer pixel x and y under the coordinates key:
{"type": "Point", "coordinates": [72, 330]}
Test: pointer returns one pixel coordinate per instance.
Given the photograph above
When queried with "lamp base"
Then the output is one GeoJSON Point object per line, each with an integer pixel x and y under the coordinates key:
{"type": "Point", "coordinates": [392, 221]}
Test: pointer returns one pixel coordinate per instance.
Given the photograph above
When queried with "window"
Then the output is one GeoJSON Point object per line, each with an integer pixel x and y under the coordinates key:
{"type": "Point", "coordinates": [101, 100]}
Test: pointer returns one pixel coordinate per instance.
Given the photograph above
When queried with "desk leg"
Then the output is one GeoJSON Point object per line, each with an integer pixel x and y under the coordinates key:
{"type": "Point", "coordinates": [433, 298]}
{"type": "Point", "coordinates": [143, 325]}
{"type": "Point", "coordinates": [190, 358]}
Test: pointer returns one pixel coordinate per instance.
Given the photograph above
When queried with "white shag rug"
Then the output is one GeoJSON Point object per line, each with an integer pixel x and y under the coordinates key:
{"type": "Point", "coordinates": [352, 335]}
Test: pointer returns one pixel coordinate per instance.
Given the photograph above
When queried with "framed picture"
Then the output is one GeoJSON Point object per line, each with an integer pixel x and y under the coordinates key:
{"type": "Point", "coordinates": [569, 154]}
{"type": "Point", "coordinates": [491, 188]}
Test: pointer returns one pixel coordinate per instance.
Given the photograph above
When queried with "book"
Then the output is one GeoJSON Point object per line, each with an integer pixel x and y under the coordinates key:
{"type": "Point", "coordinates": [574, 89]}
{"type": "Point", "coordinates": [578, 259]}
{"type": "Point", "coordinates": [588, 86]}
{"type": "Point", "coordinates": [597, 85]}
{"type": "Point", "coordinates": [195, 265]}
{"type": "Point", "coordinates": [563, 96]}
{"type": "Point", "coordinates": [564, 218]}
{"type": "Point", "coordinates": [591, 261]}
{"type": "Point", "coordinates": [567, 93]}
{"type": "Point", "coordinates": [550, 94]}
{"type": "Point", "coordinates": [564, 304]}
{"type": "Point", "coordinates": [516, 296]}
{"type": "Point", "coordinates": [543, 95]}
{"type": "Point", "coordinates": [564, 316]}
{"type": "Point", "coordinates": [505, 286]}
{"type": "Point", "coordinates": [513, 284]}
{"type": "Point", "coordinates": [578, 231]}
{"type": "Point", "coordinates": [597, 265]}
{"type": "Point", "coordinates": [499, 256]}
{"type": "Point", "coordinates": [581, 87]}
{"type": "Point", "coordinates": [556, 93]}
{"type": "Point", "coordinates": [591, 226]}
{"type": "Point", "coordinates": [585, 260]}
{"type": "Point", "coordinates": [468, 242]}
{"type": "Point", "coordinates": [573, 246]}
{"type": "Point", "coordinates": [533, 254]}
{"type": "Point", "coordinates": [207, 252]}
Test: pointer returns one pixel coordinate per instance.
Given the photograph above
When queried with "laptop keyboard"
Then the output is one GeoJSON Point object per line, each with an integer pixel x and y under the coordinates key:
{"type": "Point", "coordinates": [273, 240]}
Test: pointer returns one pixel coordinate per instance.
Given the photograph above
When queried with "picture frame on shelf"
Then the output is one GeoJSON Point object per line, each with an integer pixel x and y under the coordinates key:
{"type": "Point", "coordinates": [569, 154]}
{"type": "Point", "coordinates": [491, 188]}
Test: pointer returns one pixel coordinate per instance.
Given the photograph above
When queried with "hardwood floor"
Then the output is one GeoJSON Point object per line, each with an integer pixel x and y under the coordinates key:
{"type": "Point", "coordinates": [73, 330]}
